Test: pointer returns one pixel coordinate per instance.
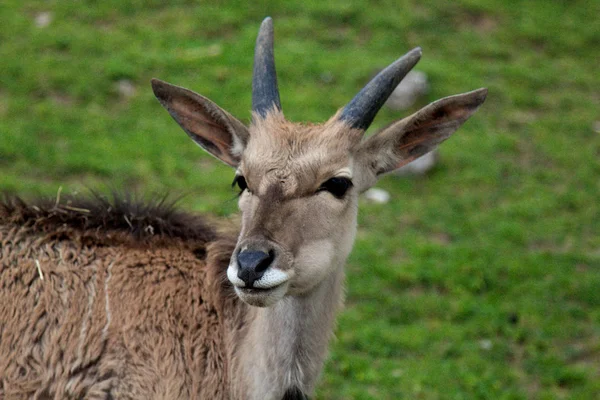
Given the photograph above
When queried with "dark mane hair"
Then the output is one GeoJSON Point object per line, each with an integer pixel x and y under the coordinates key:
{"type": "Point", "coordinates": [118, 212]}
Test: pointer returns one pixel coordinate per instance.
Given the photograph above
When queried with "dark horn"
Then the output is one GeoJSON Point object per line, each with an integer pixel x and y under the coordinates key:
{"type": "Point", "coordinates": [265, 94]}
{"type": "Point", "coordinates": [363, 108]}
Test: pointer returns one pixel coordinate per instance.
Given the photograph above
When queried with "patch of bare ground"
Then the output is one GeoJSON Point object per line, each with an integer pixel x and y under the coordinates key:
{"type": "Point", "coordinates": [476, 20]}
{"type": "Point", "coordinates": [517, 358]}
{"type": "Point", "coordinates": [223, 31]}
{"type": "Point", "coordinates": [552, 247]}
{"type": "Point", "coordinates": [62, 99]}
{"type": "Point", "coordinates": [441, 238]}
{"type": "Point", "coordinates": [518, 119]}
{"type": "Point", "coordinates": [586, 355]}
{"type": "Point", "coordinates": [419, 290]}
{"type": "Point", "coordinates": [399, 257]}
{"type": "Point", "coordinates": [482, 23]}
{"type": "Point", "coordinates": [206, 164]}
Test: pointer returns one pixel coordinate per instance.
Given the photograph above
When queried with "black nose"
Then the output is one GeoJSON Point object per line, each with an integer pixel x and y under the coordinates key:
{"type": "Point", "coordinates": [252, 265]}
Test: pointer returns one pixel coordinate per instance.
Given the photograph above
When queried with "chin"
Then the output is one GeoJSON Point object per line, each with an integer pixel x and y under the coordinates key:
{"type": "Point", "coordinates": [262, 297]}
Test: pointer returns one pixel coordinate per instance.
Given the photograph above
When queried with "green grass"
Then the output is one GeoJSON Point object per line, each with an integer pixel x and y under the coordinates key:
{"type": "Point", "coordinates": [480, 281]}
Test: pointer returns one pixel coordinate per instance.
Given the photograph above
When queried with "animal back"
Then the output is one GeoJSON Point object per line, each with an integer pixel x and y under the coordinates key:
{"type": "Point", "coordinates": [92, 308]}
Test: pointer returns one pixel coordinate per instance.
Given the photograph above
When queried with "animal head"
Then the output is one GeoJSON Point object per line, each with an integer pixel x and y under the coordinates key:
{"type": "Point", "coordinates": [300, 183]}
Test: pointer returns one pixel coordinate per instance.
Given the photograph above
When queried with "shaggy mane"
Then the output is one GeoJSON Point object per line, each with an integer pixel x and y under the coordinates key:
{"type": "Point", "coordinates": [123, 213]}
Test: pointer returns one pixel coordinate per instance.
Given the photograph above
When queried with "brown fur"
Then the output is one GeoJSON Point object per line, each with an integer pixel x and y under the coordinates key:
{"type": "Point", "coordinates": [91, 307]}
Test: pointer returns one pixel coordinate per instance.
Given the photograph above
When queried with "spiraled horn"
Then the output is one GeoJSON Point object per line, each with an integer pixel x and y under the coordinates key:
{"type": "Point", "coordinates": [363, 108]}
{"type": "Point", "coordinates": [265, 94]}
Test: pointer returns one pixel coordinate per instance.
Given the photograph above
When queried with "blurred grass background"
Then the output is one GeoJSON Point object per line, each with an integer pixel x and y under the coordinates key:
{"type": "Point", "coordinates": [479, 281]}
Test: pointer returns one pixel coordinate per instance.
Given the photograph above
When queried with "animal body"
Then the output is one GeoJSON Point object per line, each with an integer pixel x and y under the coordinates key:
{"type": "Point", "coordinates": [119, 300]}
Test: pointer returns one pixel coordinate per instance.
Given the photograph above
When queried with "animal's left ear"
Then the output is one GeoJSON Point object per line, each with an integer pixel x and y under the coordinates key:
{"type": "Point", "coordinates": [418, 134]}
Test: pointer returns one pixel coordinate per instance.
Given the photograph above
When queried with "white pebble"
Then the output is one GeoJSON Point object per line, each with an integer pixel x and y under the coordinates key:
{"type": "Point", "coordinates": [377, 195]}
{"type": "Point", "coordinates": [43, 19]}
{"type": "Point", "coordinates": [413, 86]}
{"type": "Point", "coordinates": [420, 166]}
{"type": "Point", "coordinates": [485, 344]}
{"type": "Point", "coordinates": [126, 88]}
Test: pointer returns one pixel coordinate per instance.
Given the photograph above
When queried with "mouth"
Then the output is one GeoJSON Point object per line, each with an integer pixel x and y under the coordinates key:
{"type": "Point", "coordinates": [264, 292]}
{"type": "Point", "coordinates": [262, 297]}
{"type": "Point", "coordinates": [258, 291]}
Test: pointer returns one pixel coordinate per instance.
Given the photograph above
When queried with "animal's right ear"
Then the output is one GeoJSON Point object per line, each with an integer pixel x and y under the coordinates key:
{"type": "Point", "coordinates": [213, 128]}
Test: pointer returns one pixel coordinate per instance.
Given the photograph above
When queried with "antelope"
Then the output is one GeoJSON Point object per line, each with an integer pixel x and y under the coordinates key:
{"type": "Point", "coordinates": [107, 299]}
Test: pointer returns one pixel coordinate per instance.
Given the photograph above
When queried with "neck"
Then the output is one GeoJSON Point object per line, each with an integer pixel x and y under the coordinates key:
{"type": "Point", "coordinates": [285, 346]}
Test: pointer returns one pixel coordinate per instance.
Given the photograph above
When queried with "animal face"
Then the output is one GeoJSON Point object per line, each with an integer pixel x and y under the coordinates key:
{"type": "Point", "coordinates": [299, 202]}
{"type": "Point", "coordinates": [299, 184]}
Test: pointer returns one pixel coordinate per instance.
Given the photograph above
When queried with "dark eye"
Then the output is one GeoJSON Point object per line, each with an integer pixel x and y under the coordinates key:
{"type": "Point", "coordinates": [240, 181]}
{"type": "Point", "coordinates": [337, 186]}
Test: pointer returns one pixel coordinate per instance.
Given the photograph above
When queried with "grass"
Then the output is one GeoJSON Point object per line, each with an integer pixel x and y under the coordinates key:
{"type": "Point", "coordinates": [480, 281]}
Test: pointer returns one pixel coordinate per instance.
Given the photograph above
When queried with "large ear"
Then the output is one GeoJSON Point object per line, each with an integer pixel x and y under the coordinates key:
{"type": "Point", "coordinates": [213, 128]}
{"type": "Point", "coordinates": [418, 134]}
